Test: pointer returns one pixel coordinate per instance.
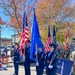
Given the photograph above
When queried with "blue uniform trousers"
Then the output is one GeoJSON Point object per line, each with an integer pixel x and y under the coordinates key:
{"type": "Point", "coordinates": [51, 71]}
{"type": "Point", "coordinates": [39, 70]}
{"type": "Point", "coordinates": [27, 67]}
{"type": "Point", "coordinates": [16, 67]}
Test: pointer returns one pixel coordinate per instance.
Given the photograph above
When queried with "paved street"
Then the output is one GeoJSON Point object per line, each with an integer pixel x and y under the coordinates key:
{"type": "Point", "coordinates": [10, 70]}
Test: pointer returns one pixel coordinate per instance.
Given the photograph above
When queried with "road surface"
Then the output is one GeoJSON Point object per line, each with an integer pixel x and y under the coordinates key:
{"type": "Point", "coordinates": [10, 70]}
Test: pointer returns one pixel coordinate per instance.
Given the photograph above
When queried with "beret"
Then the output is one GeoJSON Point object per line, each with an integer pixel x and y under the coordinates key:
{"type": "Point", "coordinates": [16, 44]}
{"type": "Point", "coordinates": [52, 45]}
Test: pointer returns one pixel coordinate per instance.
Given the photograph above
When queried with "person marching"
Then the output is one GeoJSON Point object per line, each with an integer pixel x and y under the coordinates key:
{"type": "Point", "coordinates": [6, 51]}
{"type": "Point", "coordinates": [40, 61]}
{"type": "Point", "coordinates": [27, 58]}
{"type": "Point", "coordinates": [16, 59]}
{"type": "Point", "coordinates": [51, 60]}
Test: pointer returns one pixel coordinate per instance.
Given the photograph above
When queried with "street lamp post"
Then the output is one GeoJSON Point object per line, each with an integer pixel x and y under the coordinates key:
{"type": "Point", "coordinates": [0, 43]}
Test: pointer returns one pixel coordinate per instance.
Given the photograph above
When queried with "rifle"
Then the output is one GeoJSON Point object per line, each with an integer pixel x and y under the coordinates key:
{"type": "Point", "coordinates": [67, 55]}
{"type": "Point", "coordinates": [53, 57]}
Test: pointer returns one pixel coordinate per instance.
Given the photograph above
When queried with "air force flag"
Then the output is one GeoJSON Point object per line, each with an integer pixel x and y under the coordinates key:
{"type": "Point", "coordinates": [64, 67]}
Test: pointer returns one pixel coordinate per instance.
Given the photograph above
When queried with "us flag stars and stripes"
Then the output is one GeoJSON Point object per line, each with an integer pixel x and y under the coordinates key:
{"type": "Point", "coordinates": [48, 41]}
{"type": "Point", "coordinates": [24, 33]}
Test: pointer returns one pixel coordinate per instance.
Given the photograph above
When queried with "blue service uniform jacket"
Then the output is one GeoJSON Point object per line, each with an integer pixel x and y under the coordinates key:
{"type": "Point", "coordinates": [27, 53]}
{"type": "Point", "coordinates": [16, 55]}
{"type": "Point", "coordinates": [41, 59]}
{"type": "Point", "coordinates": [27, 61]}
{"type": "Point", "coordinates": [16, 60]}
{"type": "Point", "coordinates": [54, 64]}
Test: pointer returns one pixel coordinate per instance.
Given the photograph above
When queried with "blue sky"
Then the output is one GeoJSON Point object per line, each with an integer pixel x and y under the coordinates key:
{"type": "Point", "coordinates": [7, 32]}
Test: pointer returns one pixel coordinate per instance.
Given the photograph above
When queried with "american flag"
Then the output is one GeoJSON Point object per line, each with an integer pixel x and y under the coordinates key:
{"type": "Point", "coordinates": [24, 33]}
{"type": "Point", "coordinates": [67, 36]}
{"type": "Point", "coordinates": [48, 41]}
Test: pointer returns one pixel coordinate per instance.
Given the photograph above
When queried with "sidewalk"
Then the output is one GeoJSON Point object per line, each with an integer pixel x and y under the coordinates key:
{"type": "Point", "coordinates": [10, 70]}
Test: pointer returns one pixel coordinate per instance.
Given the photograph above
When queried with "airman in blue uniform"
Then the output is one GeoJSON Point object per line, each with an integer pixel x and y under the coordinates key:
{"type": "Point", "coordinates": [40, 61]}
{"type": "Point", "coordinates": [51, 61]}
{"type": "Point", "coordinates": [6, 51]}
{"type": "Point", "coordinates": [27, 58]}
{"type": "Point", "coordinates": [16, 59]}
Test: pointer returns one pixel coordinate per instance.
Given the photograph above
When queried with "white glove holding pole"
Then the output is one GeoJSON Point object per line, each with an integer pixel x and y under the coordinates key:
{"type": "Point", "coordinates": [37, 64]}
{"type": "Point", "coordinates": [23, 58]}
{"type": "Point", "coordinates": [36, 52]}
{"type": "Point", "coordinates": [50, 66]}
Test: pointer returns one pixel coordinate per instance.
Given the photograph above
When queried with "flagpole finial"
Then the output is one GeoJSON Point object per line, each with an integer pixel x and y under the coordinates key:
{"type": "Point", "coordinates": [34, 10]}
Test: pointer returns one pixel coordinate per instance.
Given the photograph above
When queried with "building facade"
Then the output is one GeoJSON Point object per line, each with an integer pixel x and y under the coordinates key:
{"type": "Point", "coordinates": [15, 38]}
{"type": "Point", "coordinates": [6, 41]}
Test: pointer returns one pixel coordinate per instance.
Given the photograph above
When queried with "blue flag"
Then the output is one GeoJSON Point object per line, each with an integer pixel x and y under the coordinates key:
{"type": "Point", "coordinates": [49, 31]}
{"type": "Point", "coordinates": [36, 39]}
{"type": "Point", "coordinates": [64, 67]}
{"type": "Point", "coordinates": [54, 35]}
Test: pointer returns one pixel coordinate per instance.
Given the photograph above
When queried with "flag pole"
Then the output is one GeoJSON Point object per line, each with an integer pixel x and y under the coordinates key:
{"type": "Point", "coordinates": [24, 37]}
{"type": "Point", "coordinates": [52, 34]}
{"type": "Point", "coordinates": [36, 49]}
{"type": "Point", "coordinates": [37, 64]}
{"type": "Point", "coordinates": [24, 30]}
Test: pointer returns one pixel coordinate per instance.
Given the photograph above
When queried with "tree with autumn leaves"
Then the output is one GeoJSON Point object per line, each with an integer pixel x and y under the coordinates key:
{"type": "Point", "coordinates": [55, 11]}
{"type": "Point", "coordinates": [58, 12]}
{"type": "Point", "coordinates": [48, 12]}
{"type": "Point", "coordinates": [14, 9]}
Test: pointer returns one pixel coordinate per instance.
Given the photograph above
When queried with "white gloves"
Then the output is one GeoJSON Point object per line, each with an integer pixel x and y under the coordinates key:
{"type": "Point", "coordinates": [37, 64]}
{"type": "Point", "coordinates": [17, 62]}
{"type": "Point", "coordinates": [23, 58]}
{"type": "Point", "coordinates": [35, 52]}
{"type": "Point", "coordinates": [50, 66]}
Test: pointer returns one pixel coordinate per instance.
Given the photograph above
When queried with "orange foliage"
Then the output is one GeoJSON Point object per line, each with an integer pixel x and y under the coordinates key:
{"type": "Point", "coordinates": [15, 9]}
{"type": "Point", "coordinates": [54, 11]}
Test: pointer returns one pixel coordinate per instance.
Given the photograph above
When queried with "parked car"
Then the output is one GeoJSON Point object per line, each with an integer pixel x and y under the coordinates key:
{"type": "Point", "coordinates": [8, 47]}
